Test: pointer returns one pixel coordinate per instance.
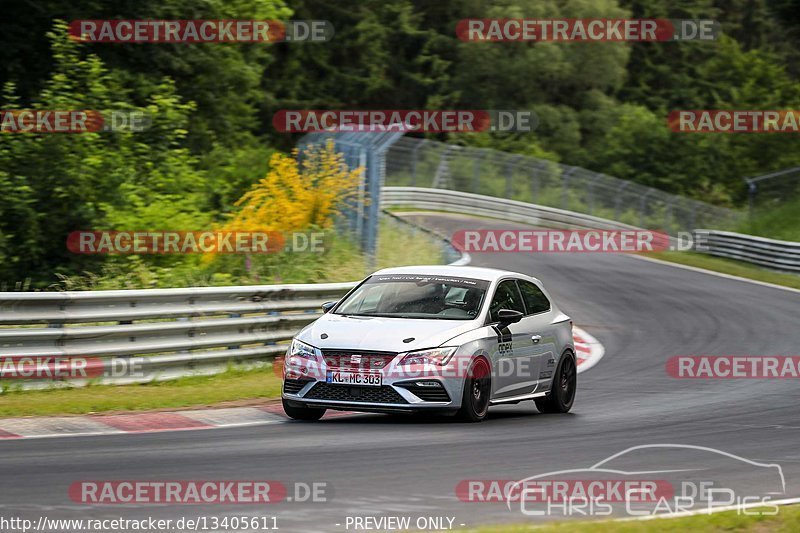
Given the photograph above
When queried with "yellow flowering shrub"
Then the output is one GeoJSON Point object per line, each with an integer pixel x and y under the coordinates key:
{"type": "Point", "coordinates": [294, 196]}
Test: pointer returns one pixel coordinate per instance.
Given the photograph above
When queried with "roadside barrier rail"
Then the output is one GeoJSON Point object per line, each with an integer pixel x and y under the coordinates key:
{"type": "Point", "coordinates": [771, 253]}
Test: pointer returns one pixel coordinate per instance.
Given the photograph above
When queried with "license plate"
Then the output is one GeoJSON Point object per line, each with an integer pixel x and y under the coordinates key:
{"type": "Point", "coordinates": [369, 379]}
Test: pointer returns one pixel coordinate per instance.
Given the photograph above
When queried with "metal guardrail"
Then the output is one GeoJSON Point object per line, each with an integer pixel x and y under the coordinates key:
{"type": "Point", "coordinates": [476, 204]}
{"type": "Point", "coordinates": [774, 254]}
{"type": "Point", "coordinates": [778, 255]}
{"type": "Point", "coordinates": [181, 329]}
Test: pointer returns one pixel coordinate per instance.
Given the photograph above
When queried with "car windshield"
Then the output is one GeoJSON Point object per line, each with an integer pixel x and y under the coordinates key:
{"type": "Point", "coordinates": [416, 296]}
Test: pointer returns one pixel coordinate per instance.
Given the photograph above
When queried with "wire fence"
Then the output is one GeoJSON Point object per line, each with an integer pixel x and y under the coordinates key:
{"type": "Point", "coordinates": [773, 190]}
{"type": "Point", "coordinates": [423, 163]}
{"type": "Point", "coordinates": [366, 150]}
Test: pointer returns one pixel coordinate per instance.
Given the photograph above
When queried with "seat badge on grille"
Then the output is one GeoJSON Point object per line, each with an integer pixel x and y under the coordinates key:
{"type": "Point", "coordinates": [355, 359]}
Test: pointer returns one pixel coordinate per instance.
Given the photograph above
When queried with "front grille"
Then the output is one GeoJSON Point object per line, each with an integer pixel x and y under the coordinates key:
{"type": "Point", "coordinates": [426, 394]}
{"type": "Point", "coordinates": [346, 393]}
{"type": "Point", "coordinates": [293, 386]}
{"type": "Point", "coordinates": [363, 360]}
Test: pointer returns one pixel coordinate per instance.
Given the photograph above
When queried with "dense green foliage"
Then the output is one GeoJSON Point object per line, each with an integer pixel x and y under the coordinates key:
{"type": "Point", "coordinates": [601, 105]}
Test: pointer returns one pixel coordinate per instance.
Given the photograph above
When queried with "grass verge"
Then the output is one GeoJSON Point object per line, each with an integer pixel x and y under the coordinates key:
{"type": "Point", "coordinates": [787, 519]}
{"type": "Point", "coordinates": [191, 391]}
{"type": "Point", "coordinates": [728, 266]}
{"type": "Point", "coordinates": [779, 221]}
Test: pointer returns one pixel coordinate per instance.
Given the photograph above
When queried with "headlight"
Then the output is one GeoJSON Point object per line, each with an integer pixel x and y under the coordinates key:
{"type": "Point", "coordinates": [434, 356]}
{"type": "Point", "coordinates": [302, 350]}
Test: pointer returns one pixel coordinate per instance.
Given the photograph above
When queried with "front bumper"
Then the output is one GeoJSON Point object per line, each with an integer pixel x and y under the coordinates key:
{"type": "Point", "coordinates": [402, 390]}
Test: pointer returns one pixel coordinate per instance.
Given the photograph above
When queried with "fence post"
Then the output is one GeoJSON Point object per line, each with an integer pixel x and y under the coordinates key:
{"type": "Point", "coordinates": [415, 156]}
{"type": "Point", "coordinates": [476, 170]}
{"type": "Point", "coordinates": [362, 185]}
{"type": "Point", "coordinates": [590, 194]}
{"type": "Point", "coordinates": [752, 190]}
{"type": "Point", "coordinates": [668, 214]}
{"type": "Point", "coordinates": [535, 180]}
{"type": "Point", "coordinates": [565, 187]}
{"type": "Point", "coordinates": [642, 207]}
{"type": "Point", "coordinates": [511, 165]}
{"type": "Point", "coordinates": [618, 200]}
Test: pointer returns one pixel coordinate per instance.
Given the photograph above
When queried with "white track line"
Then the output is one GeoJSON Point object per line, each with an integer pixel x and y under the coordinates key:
{"type": "Point", "coordinates": [713, 273]}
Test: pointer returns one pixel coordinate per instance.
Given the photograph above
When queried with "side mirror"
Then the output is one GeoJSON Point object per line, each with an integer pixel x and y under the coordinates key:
{"type": "Point", "coordinates": [327, 306]}
{"type": "Point", "coordinates": [509, 316]}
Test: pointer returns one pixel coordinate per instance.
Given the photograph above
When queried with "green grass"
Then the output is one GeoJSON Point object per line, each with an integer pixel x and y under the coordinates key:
{"type": "Point", "coordinates": [399, 246]}
{"type": "Point", "coordinates": [787, 520]}
{"type": "Point", "coordinates": [778, 222]}
{"type": "Point", "coordinates": [728, 266]}
{"type": "Point", "coordinates": [195, 391]}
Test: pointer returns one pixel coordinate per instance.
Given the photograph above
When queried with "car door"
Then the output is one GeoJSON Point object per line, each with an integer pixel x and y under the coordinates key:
{"type": "Point", "coordinates": [513, 355]}
{"type": "Point", "coordinates": [538, 322]}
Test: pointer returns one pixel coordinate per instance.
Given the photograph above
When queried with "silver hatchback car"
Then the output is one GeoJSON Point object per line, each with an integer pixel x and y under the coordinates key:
{"type": "Point", "coordinates": [444, 339]}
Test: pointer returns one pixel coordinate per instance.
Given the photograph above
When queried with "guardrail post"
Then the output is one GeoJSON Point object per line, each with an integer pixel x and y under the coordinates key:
{"type": "Point", "coordinates": [235, 315]}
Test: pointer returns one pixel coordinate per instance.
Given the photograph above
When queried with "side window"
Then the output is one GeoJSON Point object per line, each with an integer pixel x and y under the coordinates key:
{"type": "Point", "coordinates": [506, 296]}
{"type": "Point", "coordinates": [535, 300]}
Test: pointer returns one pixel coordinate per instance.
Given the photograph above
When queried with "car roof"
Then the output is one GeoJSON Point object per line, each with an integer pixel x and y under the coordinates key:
{"type": "Point", "coordinates": [487, 274]}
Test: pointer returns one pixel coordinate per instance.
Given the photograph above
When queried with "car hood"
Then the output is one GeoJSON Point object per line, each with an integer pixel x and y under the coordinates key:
{"type": "Point", "coordinates": [380, 333]}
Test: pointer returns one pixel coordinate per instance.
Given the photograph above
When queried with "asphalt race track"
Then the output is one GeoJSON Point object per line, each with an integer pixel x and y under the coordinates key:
{"type": "Point", "coordinates": [376, 465]}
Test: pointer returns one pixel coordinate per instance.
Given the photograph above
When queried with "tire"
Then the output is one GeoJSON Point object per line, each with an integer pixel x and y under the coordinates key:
{"type": "Point", "coordinates": [477, 390]}
{"type": "Point", "coordinates": [302, 413]}
{"type": "Point", "coordinates": [562, 394]}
